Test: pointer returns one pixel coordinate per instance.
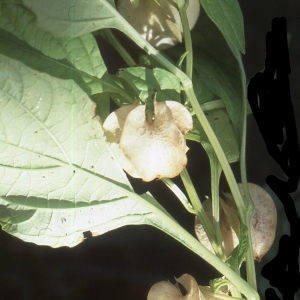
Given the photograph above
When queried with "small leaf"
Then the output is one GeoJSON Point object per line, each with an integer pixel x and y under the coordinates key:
{"type": "Point", "coordinates": [224, 131]}
{"type": "Point", "coordinates": [147, 81]}
{"type": "Point", "coordinates": [102, 101]}
{"type": "Point", "coordinates": [238, 255]}
{"type": "Point", "coordinates": [218, 284]}
{"type": "Point", "coordinates": [228, 17]}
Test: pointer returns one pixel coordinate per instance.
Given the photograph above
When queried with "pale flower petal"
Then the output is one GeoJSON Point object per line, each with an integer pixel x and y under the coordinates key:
{"type": "Point", "coordinates": [153, 150]}
{"type": "Point", "coordinates": [264, 220]}
{"type": "Point", "coordinates": [114, 123]}
{"type": "Point", "coordinates": [229, 235]}
{"type": "Point", "coordinates": [263, 224]}
{"type": "Point", "coordinates": [157, 21]}
{"type": "Point", "coordinates": [164, 290]}
{"type": "Point", "coordinates": [181, 116]}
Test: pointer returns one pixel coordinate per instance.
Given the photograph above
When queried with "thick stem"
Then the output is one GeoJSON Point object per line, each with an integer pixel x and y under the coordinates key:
{"type": "Point", "coordinates": [215, 180]}
{"type": "Point", "coordinates": [110, 37]}
{"type": "Point", "coordinates": [201, 215]}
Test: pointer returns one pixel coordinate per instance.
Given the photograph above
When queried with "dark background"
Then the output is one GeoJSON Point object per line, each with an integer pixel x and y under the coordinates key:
{"type": "Point", "coordinates": [125, 263]}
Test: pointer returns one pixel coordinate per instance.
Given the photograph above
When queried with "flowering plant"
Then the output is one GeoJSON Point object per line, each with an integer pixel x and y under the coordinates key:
{"type": "Point", "coordinates": [65, 152]}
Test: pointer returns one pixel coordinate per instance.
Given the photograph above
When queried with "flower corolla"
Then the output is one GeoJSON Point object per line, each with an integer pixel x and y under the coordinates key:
{"type": "Point", "coordinates": [150, 150]}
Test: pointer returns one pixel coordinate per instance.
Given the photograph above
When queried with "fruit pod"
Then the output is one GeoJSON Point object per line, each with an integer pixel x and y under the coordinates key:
{"type": "Point", "coordinates": [263, 223]}
{"type": "Point", "coordinates": [228, 217]}
{"type": "Point", "coordinates": [165, 290]}
{"type": "Point", "coordinates": [264, 220]}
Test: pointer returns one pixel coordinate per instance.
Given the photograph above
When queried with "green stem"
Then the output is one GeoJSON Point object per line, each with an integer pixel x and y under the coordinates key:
{"type": "Point", "coordinates": [194, 245]}
{"type": "Point", "coordinates": [218, 150]}
{"type": "Point", "coordinates": [206, 291]}
{"type": "Point", "coordinates": [110, 37]}
{"type": "Point", "coordinates": [250, 267]}
{"type": "Point", "coordinates": [180, 234]}
{"type": "Point", "coordinates": [215, 180]}
{"type": "Point", "coordinates": [159, 218]}
{"type": "Point", "coordinates": [179, 194]}
{"type": "Point", "coordinates": [187, 37]}
{"type": "Point", "coordinates": [201, 215]}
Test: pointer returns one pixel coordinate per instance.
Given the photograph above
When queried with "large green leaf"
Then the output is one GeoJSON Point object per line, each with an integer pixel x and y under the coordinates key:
{"type": "Point", "coordinates": [228, 17]}
{"type": "Point", "coordinates": [71, 18]}
{"type": "Point", "coordinates": [81, 52]}
{"type": "Point", "coordinates": [58, 176]}
{"type": "Point", "coordinates": [17, 49]}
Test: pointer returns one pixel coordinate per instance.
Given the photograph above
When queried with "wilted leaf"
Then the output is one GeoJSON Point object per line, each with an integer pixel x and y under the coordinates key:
{"type": "Point", "coordinates": [114, 123]}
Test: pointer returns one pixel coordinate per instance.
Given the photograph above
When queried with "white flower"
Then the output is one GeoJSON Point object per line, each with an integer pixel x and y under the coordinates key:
{"type": "Point", "coordinates": [157, 21]}
{"type": "Point", "coordinates": [153, 150]}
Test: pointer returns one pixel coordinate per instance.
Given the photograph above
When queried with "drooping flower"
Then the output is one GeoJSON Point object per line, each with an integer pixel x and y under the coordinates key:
{"type": "Point", "coordinates": [263, 223]}
{"type": "Point", "coordinates": [164, 290]}
{"type": "Point", "coordinates": [151, 150]}
{"type": "Point", "coordinates": [158, 21]}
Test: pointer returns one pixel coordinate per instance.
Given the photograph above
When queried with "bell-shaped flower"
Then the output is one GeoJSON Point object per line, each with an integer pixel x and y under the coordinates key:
{"type": "Point", "coordinates": [165, 290]}
{"type": "Point", "coordinates": [150, 150]}
{"type": "Point", "coordinates": [157, 21]}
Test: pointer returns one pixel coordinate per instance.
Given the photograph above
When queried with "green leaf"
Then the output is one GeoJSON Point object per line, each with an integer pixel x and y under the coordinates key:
{"type": "Point", "coordinates": [81, 52]}
{"type": "Point", "coordinates": [239, 253]}
{"type": "Point", "coordinates": [217, 70]}
{"type": "Point", "coordinates": [58, 176]}
{"type": "Point", "coordinates": [18, 49]}
{"type": "Point", "coordinates": [228, 17]}
{"type": "Point", "coordinates": [72, 19]}
{"type": "Point", "coordinates": [224, 131]}
{"type": "Point", "coordinates": [219, 284]}
{"type": "Point", "coordinates": [102, 101]}
{"type": "Point", "coordinates": [118, 98]}
{"type": "Point", "coordinates": [146, 81]}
